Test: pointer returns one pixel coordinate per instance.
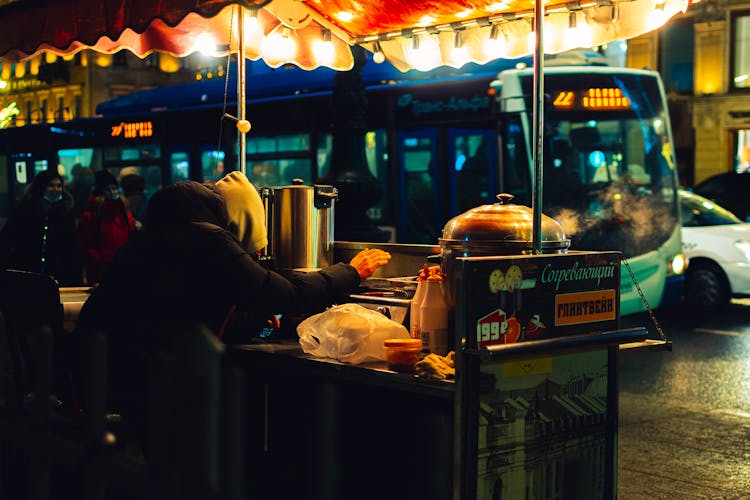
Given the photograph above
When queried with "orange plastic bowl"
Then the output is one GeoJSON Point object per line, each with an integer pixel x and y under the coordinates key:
{"type": "Point", "coordinates": [402, 354]}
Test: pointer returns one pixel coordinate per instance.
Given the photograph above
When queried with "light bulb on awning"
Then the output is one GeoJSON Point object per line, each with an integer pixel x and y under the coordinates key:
{"type": "Point", "coordinates": [424, 54]}
{"type": "Point", "coordinates": [252, 24]}
{"type": "Point", "coordinates": [377, 53]}
{"type": "Point", "coordinates": [459, 54]}
{"type": "Point", "coordinates": [324, 50]}
{"type": "Point", "coordinates": [531, 37]}
{"type": "Point", "coordinates": [657, 17]}
{"type": "Point", "coordinates": [205, 44]}
{"type": "Point", "coordinates": [279, 46]}
{"type": "Point", "coordinates": [579, 32]}
{"type": "Point", "coordinates": [496, 45]}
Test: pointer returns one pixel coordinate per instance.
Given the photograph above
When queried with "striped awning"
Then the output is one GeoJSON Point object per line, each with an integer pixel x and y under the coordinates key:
{"type": "Point", "coordinates": [420, 34]}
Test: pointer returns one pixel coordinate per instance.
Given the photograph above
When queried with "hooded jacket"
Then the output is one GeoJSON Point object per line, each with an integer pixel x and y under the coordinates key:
{"type": "Point", "coordinates": [39, 236]}
{"type": "Point", "coordinates": [186, 266]}
{"type": "Point", "coordinates": [104, 227]}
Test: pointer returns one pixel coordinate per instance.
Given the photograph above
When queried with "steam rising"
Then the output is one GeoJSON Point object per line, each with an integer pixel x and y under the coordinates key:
{"type": "Point", "coordinates": [630, 219]}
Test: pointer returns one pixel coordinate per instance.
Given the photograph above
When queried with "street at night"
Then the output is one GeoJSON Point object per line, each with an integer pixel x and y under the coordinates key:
{"type": "Point", "coordinates": [685, 415]}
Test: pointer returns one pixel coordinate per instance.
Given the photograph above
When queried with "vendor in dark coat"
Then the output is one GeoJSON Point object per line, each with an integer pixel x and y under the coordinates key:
{"type": "Point", "coordinates": [39, 235]}
{"type": "Point", "coordinates": [194, 262]}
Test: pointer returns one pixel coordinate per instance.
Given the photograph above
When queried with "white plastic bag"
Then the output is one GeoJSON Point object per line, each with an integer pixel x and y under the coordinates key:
{"type": "Point", "coordinates": [350, 333]}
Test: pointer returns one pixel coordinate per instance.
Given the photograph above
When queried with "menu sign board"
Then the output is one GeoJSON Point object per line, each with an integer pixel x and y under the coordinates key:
{"type": "Point", "coordinates": [518, 298]}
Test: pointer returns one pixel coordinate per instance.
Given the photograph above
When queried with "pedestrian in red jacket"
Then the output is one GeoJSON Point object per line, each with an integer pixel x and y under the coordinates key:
{"type": "Point", "coordinates": [105, 226]}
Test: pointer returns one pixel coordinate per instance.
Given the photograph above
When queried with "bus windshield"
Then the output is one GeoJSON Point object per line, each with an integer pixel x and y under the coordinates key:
{"type": "Point", "coordinates": [609, 171]}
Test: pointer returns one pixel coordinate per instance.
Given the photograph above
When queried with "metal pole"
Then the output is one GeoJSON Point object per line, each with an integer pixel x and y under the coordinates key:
{"type": "Point", "coordinates": [538, 126]}
{"type": "Point", "coordinates": [241, 82]}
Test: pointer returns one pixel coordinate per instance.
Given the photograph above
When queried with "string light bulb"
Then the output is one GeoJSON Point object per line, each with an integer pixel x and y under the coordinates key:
{"type": "Point", "coordinates": [279, 46]}
{"type": "Point", "coordinates": [531, 39]}
{"type": "Point", "coordinates": [494, 46]}
{"type": "Point", "coordinates": [252, 23]}
{"type": "Point", "coordinates": [459, 54]}
{"type": "Point", "coordinates": [580, 32]}
{"type": "Point", "coordinates": [377, 53]}
{"type": "Point", "coordinates": [425, 53]}
{"type": "Point", "coordinates": [205, 44]}
{"type": "Point", "coordinates": [324, 50]}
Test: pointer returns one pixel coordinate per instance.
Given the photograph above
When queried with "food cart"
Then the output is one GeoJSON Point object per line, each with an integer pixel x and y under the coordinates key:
{"type": "Point", "coordinates": [536, 417]}
{"type": "Point", "coordinates": [532, 409]}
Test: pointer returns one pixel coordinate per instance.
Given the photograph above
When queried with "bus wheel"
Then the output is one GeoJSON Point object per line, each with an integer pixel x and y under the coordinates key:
{"type": "Point", "coordinates": [706, 286]}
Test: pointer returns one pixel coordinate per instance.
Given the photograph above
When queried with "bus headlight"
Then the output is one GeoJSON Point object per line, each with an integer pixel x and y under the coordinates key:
{"type": "Point", "coordinates": [678, 264]}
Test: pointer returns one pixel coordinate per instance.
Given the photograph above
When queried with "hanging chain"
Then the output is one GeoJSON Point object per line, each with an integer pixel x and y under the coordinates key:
{"type": "Point", "coordinates": [644, 300]}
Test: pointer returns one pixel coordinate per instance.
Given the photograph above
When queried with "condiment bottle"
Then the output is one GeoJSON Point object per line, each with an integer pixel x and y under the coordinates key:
{"type": "Point", "coordinates": [416, 302]}
{"type": "Point", "coordinates": [433, 317]}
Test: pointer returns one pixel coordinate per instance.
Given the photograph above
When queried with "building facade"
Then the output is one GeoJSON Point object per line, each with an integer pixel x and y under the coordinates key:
{"type": "Point", "coordinates": [48, 88]}
{"type": "Point", "coordinates": [704, 59]}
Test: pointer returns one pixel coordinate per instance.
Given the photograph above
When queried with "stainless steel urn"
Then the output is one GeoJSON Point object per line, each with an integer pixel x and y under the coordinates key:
{"type": "Point", "coordinates": [299, 220]}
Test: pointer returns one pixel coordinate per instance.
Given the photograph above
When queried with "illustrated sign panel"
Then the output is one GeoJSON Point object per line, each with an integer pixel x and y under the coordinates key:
{"type": "Point", "coordinates": [542, 429]}
{"type": "Point", "coordinates": [518, 298]}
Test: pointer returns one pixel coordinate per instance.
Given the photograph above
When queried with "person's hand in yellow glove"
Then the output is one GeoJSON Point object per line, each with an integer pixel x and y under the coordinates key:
{"type": "Point", "coordinates": [368, 261]}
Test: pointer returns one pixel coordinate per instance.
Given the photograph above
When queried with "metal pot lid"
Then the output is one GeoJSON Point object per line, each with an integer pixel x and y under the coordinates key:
{"type": "Point", "coordinates": [502, 223]}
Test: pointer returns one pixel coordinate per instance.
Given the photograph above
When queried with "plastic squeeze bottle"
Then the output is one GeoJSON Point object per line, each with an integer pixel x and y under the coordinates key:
{"type": "Point", "coordinates": [433, 317]}
{"type": "Point", "coordinates": [416, 302]}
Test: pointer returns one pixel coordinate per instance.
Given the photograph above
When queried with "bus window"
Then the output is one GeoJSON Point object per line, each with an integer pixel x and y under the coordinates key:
{"type": "Point", "coordinates": [472, 165]}
{"type": "Point", "coordinates": [279, 172]}
{"type": "Point", "coordinates": [40, 166]}
{"type": "Point", "coordinates": [276, 161]}
{"type": "Point", "coordinates": [325, 144]}
{"type": "Point", "coordinates": [212, 165]}
{"type": "Point", "coordinates": [515, 180]}
{"type": "Point", "coordinates": [179, 166]}
{"type": "Point", "coordinates": [278, 144]}
{"type": "Point", "coordinates": [376, 151]}
{"type": "Point", "coordinates": [142, 152]}
{"type": "Point", "coordinates": [418, 222]}
{"type": "Point", "coordinates": [69, 158]}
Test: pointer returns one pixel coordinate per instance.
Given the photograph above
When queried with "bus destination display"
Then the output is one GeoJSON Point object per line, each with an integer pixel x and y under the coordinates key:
{"type": "Point", "coordinates": [132, 130]}
{"type": "Point", "coordinates": [593, 99]}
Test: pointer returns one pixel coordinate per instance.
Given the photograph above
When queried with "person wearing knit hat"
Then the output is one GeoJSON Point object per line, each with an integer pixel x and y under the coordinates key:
{"type": "Point", "coordinates": [105, 226]}
{"type": "Point", "coordinates": [245, 211]}
{"type": "Point", "coordinates": [105, 182]}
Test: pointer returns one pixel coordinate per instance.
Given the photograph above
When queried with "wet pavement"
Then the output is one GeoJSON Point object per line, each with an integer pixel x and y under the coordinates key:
{"type": "Point", "coordinates": [684, 427]}
{"type": "Point", "coordinates": [677, 451]}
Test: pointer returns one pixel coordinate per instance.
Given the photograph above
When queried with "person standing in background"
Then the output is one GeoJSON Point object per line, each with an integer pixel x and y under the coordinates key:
{"type": "Point", "coordinates": [134, 190]}
{"type": "Point", "coordinates": [105, 226]}
{"type": "Point", "coordinates": [80, 187]}
{"type": "Point", "coordinates": [39, 235]}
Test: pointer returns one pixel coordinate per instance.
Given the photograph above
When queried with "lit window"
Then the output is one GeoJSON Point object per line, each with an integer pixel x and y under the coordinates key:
{"type": "Point", "coordinates": [741, 50]}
